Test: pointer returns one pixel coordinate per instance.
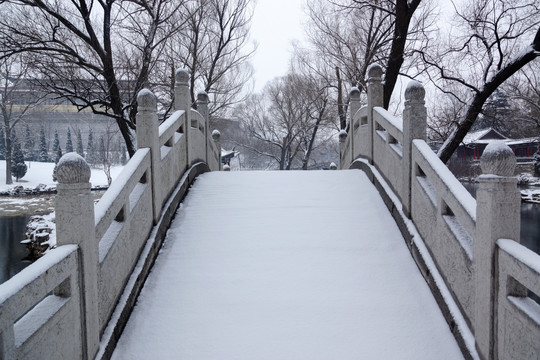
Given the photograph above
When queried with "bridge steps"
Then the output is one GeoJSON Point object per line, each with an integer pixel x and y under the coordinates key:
{"type": "Point", "coordinates": [285, 265]}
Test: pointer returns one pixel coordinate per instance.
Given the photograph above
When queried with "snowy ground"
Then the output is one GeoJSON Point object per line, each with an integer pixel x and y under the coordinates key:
{"type": "Point", "coordinates": [285, 265]}
{"type": "Point", "coordinates": [41, 173]}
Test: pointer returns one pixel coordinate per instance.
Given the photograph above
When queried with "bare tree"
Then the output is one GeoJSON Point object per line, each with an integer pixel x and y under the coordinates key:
{"type": "Point", "coordinates": [484, 49]}
{"type": "Point", "coordinates": [351, 35]}
{"type": "Point", "coordinates": [213, 47]}
{"type": "Point", "coordinates": [524, 92]}
{"type": "Point", "coordinates": [288, 120]}
{"type": "Point", "coordinates": [13, 80]}
{"type": "Point", "coordinates": [345, 39]}
{"type": "Point", "coordinates": [98, 55]}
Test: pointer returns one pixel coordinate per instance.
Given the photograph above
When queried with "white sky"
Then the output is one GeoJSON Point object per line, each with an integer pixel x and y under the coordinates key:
{"type": "Point", "coordinates": [275, 24]}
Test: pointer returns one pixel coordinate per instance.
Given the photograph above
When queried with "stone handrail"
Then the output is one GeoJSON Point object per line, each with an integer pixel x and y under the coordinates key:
{"type": "Point", "coordinates": [105, 251]}
{"type": "Point", "coordinates": [33, 303]}
{"type": "Point", "coordinates": [488, 277]}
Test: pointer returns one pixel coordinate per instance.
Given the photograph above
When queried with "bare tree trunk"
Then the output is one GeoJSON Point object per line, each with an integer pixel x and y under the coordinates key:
{"type": "Point", "coordinates": [341, 111]}
{"type": "Point", "coordinates": [404, 12]}
{"type": "Point", "coordinates": [7, 132]}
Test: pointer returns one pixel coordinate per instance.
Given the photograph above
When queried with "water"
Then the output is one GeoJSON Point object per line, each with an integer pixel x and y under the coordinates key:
{"type": "Point", "coordinates": [530, 220]}
{"type": "Point", "coordinates": [12, 252]}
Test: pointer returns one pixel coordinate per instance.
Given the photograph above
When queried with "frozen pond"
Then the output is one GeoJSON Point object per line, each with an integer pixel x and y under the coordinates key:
{"type": "Point", "coordinates": [12, 251]}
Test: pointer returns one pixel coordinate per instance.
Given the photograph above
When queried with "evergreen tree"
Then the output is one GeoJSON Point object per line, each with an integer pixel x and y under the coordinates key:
{"type": "Point", "coordinates": [536, 157]}
{"type": "Point", "coordinates": [102, 153]}
{"type": "Point", "coordinates": [90, 151]}
{"type": "Point", "coordinates": [56, 160]}
{"type": "Point", "coordinates": [18, 167]}
{"type": "Point", "coordinates": [29, 144]}
{"type": "Point", "coordinates": [69, 144]}
{"type": "Point", "coordinates": [43, 154]}
{"type": "Point", "coordinates": [123, 158]}
{"type": "Point", "coordinates": [80, 149]}
{"type": "Point", "coordinates": [2, 144]}
{"type": "Point", "coordinates": [13, 135]}
{"type": "Point", "coordinates": [56, 142]}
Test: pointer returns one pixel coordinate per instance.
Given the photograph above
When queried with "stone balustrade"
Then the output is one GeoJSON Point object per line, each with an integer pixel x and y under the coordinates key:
{"type": "Point", "coordinates": [468, 250]}
{"type": "Point", "coordinates": [73, 302]}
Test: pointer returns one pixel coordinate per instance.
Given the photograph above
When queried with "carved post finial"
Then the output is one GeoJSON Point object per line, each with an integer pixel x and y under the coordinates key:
{"type": "Point", "coordinates": [181, 76]}
{"type": "Point", "coordinates": [354, 93]}
{"type": "Point", "coordinates": [202, 97]}
{"type": "Point", "coordinates": [146, 101]}
{"type": "Point", "coordinates": [414, 93]}
{"type": "Point", "coordinates": [498, 159]}
{"type": "Point", "coordinates": [375, 72]}
{"type": "Point", "coordinates": [342, 136]}
{"type": "Point", "coordinates": [333, 166]}
{"type": "Point", "coordinates": [72, 169]}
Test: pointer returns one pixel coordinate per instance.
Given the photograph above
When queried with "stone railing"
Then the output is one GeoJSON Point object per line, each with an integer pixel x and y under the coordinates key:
{"type": "Point", "coordinates": [74, 301]}
{"type": "Point", "coordinates": [468, 250]}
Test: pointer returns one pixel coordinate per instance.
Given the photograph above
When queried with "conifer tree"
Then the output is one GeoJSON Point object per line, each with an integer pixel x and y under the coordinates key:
{"type": "Point", "coordinates": [2, 144]}
{"type": "Point", "coordinates": [13, 135]}
{"type": "Point", "coordinates": [123, 157]}
{"type": "Point", "coordinates": [90, 150]}
{"type": "Point", "coordinates": [536, 157]}
{"type": "Point", "coordinates": [28, 144]}
{"type": "Point", "coordinates": [56, 142]}
{"type": "Point", "coordinates": [18, 167]}
{"type": "Point", "coordinates": [69, 143]}
{"type": "Point", "coordinates": [57, 157]}
{"type": "Point", "coordinates": [43, 154]}
{"type": "Point", "coordinates": [102, 153]}
{"type": "Point", "coordinates": [80, 149]}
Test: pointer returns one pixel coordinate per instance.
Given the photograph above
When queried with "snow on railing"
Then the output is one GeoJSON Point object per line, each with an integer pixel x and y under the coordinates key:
{"type": "Point", "coordinates": [36, 303]}
{"type": "Point", "coordinates": [60, 306]}
{"type": "Point", "coordinates": [460, 232]}
{"type": "Point", "coordinates": [519, 288]}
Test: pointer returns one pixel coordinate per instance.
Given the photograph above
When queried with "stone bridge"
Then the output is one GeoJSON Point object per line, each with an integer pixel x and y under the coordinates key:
{"type": "Point", "coordinates": [76, 300]}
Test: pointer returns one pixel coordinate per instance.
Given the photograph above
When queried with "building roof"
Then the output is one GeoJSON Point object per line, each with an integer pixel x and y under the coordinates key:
{"type": "Point", "coordinates": [483, 136]}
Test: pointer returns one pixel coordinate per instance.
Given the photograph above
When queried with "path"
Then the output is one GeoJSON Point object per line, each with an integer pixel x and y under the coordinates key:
{"type": "Point", "coordinates": [285, 265]}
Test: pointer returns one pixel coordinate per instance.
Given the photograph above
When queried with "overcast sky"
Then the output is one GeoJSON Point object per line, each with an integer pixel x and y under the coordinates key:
{"type": "Point", "coordinates": [276, 23]}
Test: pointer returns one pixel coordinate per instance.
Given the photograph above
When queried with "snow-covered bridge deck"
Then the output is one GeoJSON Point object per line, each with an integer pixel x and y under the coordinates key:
{"type": "Point", "coordinates": [285, 265]}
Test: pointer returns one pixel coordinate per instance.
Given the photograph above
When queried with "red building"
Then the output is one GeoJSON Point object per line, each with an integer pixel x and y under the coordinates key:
{"type": "Point", "coordinates": [474, 143]}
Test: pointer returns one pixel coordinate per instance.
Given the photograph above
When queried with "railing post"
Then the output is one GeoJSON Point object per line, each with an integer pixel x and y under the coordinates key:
{"type": "Point", "coordinates": [182, 101]}
{"type": "Point", "coordinates": [497, 216]}
{"type": "Point", "coordinates": [354, 106]}
{"type": "Point", "coordinates": [375, 98]}
{"type": "Point", "coordinates": [202, 108]}
{"type": "Point", "coordinates": [414, 127]}
{"type": "Point", "coordinates": [148, 137]}
{"type": "Point", "coordinates": [75, 225]}
{"type": "Point", "coordinates": [342, 143]}
{"type": "Point", "coordinates": [216, 136]}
